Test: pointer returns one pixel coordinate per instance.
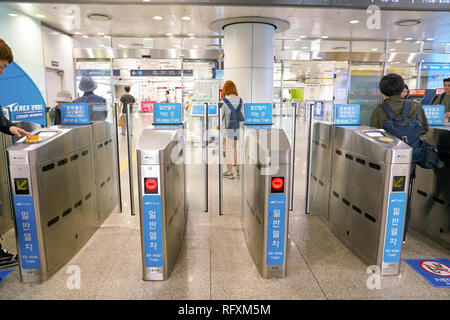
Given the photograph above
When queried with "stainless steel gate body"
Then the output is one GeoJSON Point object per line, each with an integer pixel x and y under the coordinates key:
{"type": "Point", "coordinates": [162, 199]}
{"type": "Point", "coordinates": [264, 205]}
{"type": "Point", "coordinates": [54, 183]}
{"type": "Point", "coordinates": [430, 201]}
{"type": "Point", "coordinates": [369, 177]}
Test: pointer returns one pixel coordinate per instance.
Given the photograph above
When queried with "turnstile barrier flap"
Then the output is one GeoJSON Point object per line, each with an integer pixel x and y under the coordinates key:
{"type": "Point", "coordinates": [270, 147]}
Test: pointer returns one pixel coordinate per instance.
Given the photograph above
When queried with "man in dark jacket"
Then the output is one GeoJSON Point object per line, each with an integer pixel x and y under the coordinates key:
{"type": "Point", "coordinates": [7, 127]}
{"type": "Point", "coordinates": [444, 99]}
{"type": "Point", "coordinates": [391, 87]}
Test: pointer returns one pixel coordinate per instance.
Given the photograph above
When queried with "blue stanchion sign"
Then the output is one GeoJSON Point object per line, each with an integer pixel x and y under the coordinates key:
{"type": "Point", "coordinates": [435, 114]}
{"type": "Point", "coordinates": [346, 114]}
{"type": "Point", "coordinates": [258, 113]}
{"type": "Point", "coordinates": [152, 227]}
{"type": "Point", "coordinates": [26, 232]}
{"type": "Point", "coordinates": [198, 110]}
{"type": "Point", "coordinates": [394, 227]}
{"type": "Point", "coordinates": [75, 113]}
{"type": "Point", "coordinates": [167, 113]}
{"type": "Point", "coordinates": [276, 229]}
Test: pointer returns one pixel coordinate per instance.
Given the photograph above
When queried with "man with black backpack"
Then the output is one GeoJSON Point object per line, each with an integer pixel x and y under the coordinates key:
{"type": "Point", "coordinates": [444, 99]}
{"type": "Point", "coordinates": [404, 119]}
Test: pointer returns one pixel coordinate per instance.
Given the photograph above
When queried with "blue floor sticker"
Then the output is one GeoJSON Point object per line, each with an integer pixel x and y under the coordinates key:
{"type": "Point", "coordinates": [435, 271]}
{"type": "Point", "coordinates": [4, 274]}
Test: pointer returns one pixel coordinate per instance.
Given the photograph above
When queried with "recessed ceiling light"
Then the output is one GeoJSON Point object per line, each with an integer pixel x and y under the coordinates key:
{"type": "Point", "coordinates": [186, 18]}
{"type": "Point", "coordinates": [77, 33]}
{"type": "Point", "coordinates": [407, 39]}
{"type": "Point", "coordinates": [430, 39]}
{"type": "Point", "coordinates": [398, 41]}
{"type": "Point", "coordinates": [324, 37]}
{"type": "Point", "coordinates": [70, 17]}
{"type": "Point", "coordinates": [418, 41]}
{"type": "Point", "coordinates": [40, 16]}
{"type": "Point", "coordinates": [101, 45]}
{"type": "Point", "coordinates": [374, 49]}
{"type": "Point", "coordinates": [85, 36]}
{"type": "Point", "coordinates": [392, 49]}
{"type": "Point", "coordinates": [12, 15]}
{"type": "Point", "coordinates": [191, 34]}
{"type": "Point", "coordinates": [157, 18]}
{"type": "Point", "coordinates": [354, 21]}
{"type": "Point", "coordinates": [302, 37]}
{"type": "Point", "coordinates": [146, 0]}
{"type": "Point", "coordinates": [169, 34]}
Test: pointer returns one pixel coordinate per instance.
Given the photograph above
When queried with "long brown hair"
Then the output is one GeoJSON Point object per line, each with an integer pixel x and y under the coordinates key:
{"type": "Point", "coordinates": [229, 88]}
{"type": "Point", "coordinates": [5, 52]}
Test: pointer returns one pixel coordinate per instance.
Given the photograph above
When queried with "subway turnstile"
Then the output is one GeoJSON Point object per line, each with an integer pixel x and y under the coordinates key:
{"type": "Point", "coordinates": [162, 199]}
{"type": "Point", "coordinates": [54, 184]}
{"type": "Point", "coordinates": [265, 198]}
{"type": "Point", "coordinates": [368, 191]}
{"type": "Point", "coordinates": [430, 201]}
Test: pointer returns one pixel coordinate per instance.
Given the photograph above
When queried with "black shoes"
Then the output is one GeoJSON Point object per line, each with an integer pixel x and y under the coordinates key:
{"type": "Point", "coordinates": [8, 259]}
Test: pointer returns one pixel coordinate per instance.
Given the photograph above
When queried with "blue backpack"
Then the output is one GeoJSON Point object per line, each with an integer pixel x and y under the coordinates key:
{"type": "Point", "coordinates": [236, 114]}
{"type": "Point", "coordinates": [407, 130]}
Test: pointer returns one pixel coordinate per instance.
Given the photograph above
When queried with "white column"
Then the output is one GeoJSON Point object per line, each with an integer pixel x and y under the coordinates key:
{"type": "Point", "coordinates": [248, 61]}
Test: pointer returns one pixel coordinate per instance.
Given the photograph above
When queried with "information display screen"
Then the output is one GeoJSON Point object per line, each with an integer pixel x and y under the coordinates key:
{"type": "Point", "coordinates": [374, 134]}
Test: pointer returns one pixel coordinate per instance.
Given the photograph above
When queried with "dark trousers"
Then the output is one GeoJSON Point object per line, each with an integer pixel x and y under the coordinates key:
{"type": "Point", "coordinates": [412, 177]}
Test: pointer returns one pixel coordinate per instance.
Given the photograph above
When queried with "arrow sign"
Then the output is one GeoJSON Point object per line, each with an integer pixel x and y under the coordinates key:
{"type": "Point", "coordinates": [399, 183]}
{"type": "Point", "coordinates": [21, 186]}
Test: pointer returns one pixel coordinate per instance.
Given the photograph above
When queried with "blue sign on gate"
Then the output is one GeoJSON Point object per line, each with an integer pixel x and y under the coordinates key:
{"type": "Point", "coordinates": [258, 113]}
{"type": "Point", "coordinates": [435, 114]}
{"type": "Point", "coordinates": [346, 114]}
{"type": "Point", "coordinates": [394, 227]}
{"type": "Point", "coordinates": [276, 229]}
{"type": "Point", "coordinates": [167, 113]}
{"type": "Point", "coordinates": [75, 113]}
{"type": "Point", "coordinates": [26, 232]}
{"type": "Point", "coordinates": [152, 227]}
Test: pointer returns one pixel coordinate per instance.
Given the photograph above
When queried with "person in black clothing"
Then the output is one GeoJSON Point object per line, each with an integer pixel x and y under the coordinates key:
{"type": "Point", "coordinates": [7, 127]}
{"type": "Point", "coordinates": [125, 101]}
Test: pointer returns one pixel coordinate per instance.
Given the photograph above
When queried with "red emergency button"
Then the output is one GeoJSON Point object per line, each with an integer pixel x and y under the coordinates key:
{"type": "Point", "coordinates": [151, 185]}
{"type": "Point", "coordinates": [278, 185]}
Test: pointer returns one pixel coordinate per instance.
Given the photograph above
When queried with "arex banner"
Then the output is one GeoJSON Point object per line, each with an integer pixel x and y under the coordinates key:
{"type": "Point", "coordinates": [20, 98]}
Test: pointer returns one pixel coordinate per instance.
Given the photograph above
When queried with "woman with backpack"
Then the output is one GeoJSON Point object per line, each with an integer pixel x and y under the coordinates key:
{"type": "Point", "coordinates": [232, 116]}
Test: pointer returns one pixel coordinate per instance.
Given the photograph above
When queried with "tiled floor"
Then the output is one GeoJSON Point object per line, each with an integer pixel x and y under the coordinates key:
{"type": "Point", "coordinates": [214, 262]}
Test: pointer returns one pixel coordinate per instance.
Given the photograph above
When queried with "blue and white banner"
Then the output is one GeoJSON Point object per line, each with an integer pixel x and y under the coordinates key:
{"type": "Point", "coordinates": [435, 114]}
{"type": "Point", "coordinates": [276, 229]}
{"type": "Point", "coordinates": [394, 227]}
{"type": "Point", "coordinates": [346, 114]}
{"type": "Point", "coordinates": [26, 232]}
{"type": "Point", "coordinates": [199, 110]}
{"type": "Point", "coordinates": [152, 227]}
{"type": "Point", "coordinates": [258, 113]}
{"type": "Point", "coordinates": [167, 113]}
{"type": "Point", "coordinates": [21, 96]}
{"type": "Point", "coordinates": [75, 113]}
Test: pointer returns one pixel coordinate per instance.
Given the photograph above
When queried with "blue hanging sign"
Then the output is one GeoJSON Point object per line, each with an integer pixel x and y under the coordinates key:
{"type": "Point", "coordinates": [435, 114]}
{"type": "Point", "coordinates": [435, 271]}
{"type": "Point", "coordinates": [394, 226]}
{"type": "Point", "coordinates": [346, 114]}
{"type": "Point", "coordinates": [21, 96]}
{"type": "Point", "coordinates": [75, 113]}
{"type": "Point", "coordinates": [152, 229]}
{"type": "Point", "coordinates": [276, 229]}
{"type": "Point", "coordinates": [26, 232]}
{"type": "Point", "coordinates": [212, 110]}
{"type": "Point", "coordinates": [167, 113]}
{"type": "Point", "coordinates": [258, 113]}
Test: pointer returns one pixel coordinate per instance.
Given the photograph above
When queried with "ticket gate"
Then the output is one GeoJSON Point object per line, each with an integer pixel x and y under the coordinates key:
{"type": "Point", "coordinates": [430, 201]}
{"type": "Point", "coordinates": [162, 199]}
{"type": "Point", "coordinates": [265, 198]}
{"type": "Point", "coordinates": [55, 181]}
{"type": "Point", "coordinates": [368, 190]}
